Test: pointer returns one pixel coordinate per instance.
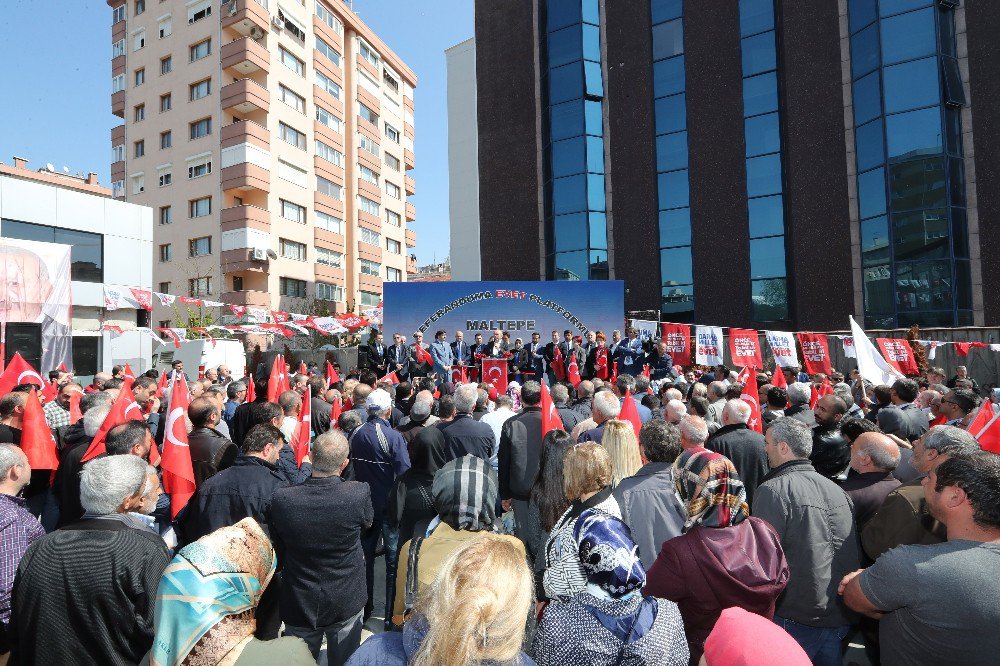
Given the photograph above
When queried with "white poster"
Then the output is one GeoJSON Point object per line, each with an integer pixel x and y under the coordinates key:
{"type": "Point", "coordinates": [849, 350]}
{"type": "Point", "coordinates": [708, 341]}
{"type": "Point", "coordinates": [648, 330]}
{"type": "Point", "coordinates": [783, 347]}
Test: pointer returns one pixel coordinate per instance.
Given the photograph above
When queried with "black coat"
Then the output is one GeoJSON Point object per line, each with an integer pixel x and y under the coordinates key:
{"type": "Point", "coordinates": [520, 449]}
{"type": "Point", "coordinates": [464, 435]}
{"type": "Point", "coordinates": [831, 452]}
{"type": "Point", "coordinates": [210, 453]}
{"type": "Point", "coordinates": [802, 413]}
{"type": "Point", "coordinates": [570, 417]}
{"type": "Point", "coordinates": [745, 447]}
{"type": "Point", "coordinates": [376, 360]}
{"type": "Point", "coordinates": [320, 415]}
{"type": "Point", "coordinates": [316, 530]}
{"type": "Point", "coordinates": [399, 355]}
{"type": "Point", "coordinates": [66, 486]}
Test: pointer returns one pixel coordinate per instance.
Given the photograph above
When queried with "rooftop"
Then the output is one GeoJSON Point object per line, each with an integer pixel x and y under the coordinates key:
{"type": "Point", "coordinates": [49, 175]}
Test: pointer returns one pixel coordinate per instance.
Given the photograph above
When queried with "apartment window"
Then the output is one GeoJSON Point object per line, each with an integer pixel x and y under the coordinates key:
{"type": "Point", "coordinates": [393, 190]}
{"type": "Point", "coordinates": [367, 145]}
{"type": "Point", "coordinates": [237, 283]}
{"type": "Point", "coordinates": [329, 292]}
{"type": "Point", "coordinates": [118, 189]}
{"type": "Point", "coordinates": [118, 153]}
{"type": "Point", "coordinates": [370, 298]}
{"type": "Point", "coordinates": [293, 211]}
{"type": "Point", "coordinates": [117, 83]}
{"type": "Point", "coordinates": [369, 84]}
{"type": "Point", "coordinates": [140, 76]}
{"type": "Point", "coordinates": [370, 237]}
{"type": "Point", "coordinates": [165, 27]}
{"type": "Point", "coordinates": [368, 175]}
{"type": "Point", "coordinates": [329, 153]}
{"type": "Point", "coordinates": [393, 246]}
{"type": "Point", "coordinates": [118, 49]}
{"type": "Point", "coordinates": [200, 247]}
{"type": "Point", "coordinates": [199, 167]}
{"type": "Point", "coordinates": [328, 51]}
{"type": "Point", "coordinates": [369, 268]}
{"type": "Point", "coordinates": [165, 176]}
{"type": "Point", "coordinates": [393, 218]}
{"type": "Point", "coordinates": [367, 53]}
{"type": "Point", "coordinates": [330, 120]}
{"type": "Point", "coordinates": [393, 274]}
{"type": "Point", "coordinates": [166, 140]}
{"type": "Point", "coordinates": [166, 65]}
{"type": "Point", "coordinates": [200, 89]}
{"type": "Point", "coordinates": [166, 101]}
{"type": "Point", "coordinates": [328, 84]}
{"type": "Point", "coordinates": [292, 249]}
{"type": "Point", "coordinates": [201, 50]}
{"type": "Point", "coordinates": [392, 104]}
{"type": "Point", "coordinates": [199, 10]}
{"type": "Point", "coordinates": [392, 133]}
{"type": "Point", "coordinates": [139, 148]}
{"type": "Point", "coordinates": [201, 286]}
{"type": "Point", "coordinates": [366, 112]}
{"type": "Point", "coordinates": [392, 162]}
{"type": "Point", "coordinates": [329, 18]}
{"type": "Point", "coordinates": [390, 80]}
{"type": "Point", "coordinates": [138, 184]}
{"type": "Point", "coordinates": [164, 214]}
{"type": "Point", "coordinates": [292, 136]}
{"type": "Point", "coordinates": [139, 112]}
{"type": "Point", "coordinates": [200, 128]}
{"type": "Point", "coordinates": [292, 99]}
{"type": "Point", "coordinates": [366, 205]}
{"type": "Point", "coordinates": [117, 14]}
{"type": "Point", "coordinates": [138, 39]}
{"type": "Point", "coordinates": [289, 60]}
{"type": "Point", "coordinates": [164, 289]}
{"type": "Point", "coordinates": [293, 27]}
{"type": "Point", "coordinates": [200, 207]}
{"type": "Point", "coordinates": [292, 287]}
{"type": "Point", "coordinates": [328, 187]}
{"type": "Point", "coordinates": [164, 323]}
{"type": "Point", "coordinates": [165, 252]}
{"type": "Point", "coordinates": [291, 173]}
{"type": "Point", "coordinates": [329, 222]}
{"type": "Point", "coordinates": [329, 257]}
{"type": "Point", "coordinates": [140, 6]}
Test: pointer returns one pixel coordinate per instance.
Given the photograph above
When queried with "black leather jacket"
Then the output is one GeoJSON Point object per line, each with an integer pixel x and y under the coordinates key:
{"type": "Point", "coordinates": [831, 452]}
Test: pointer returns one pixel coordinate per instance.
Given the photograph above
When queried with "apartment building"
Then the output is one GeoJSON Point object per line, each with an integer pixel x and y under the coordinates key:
{"type": "Point", "coordinates": [273, 141]}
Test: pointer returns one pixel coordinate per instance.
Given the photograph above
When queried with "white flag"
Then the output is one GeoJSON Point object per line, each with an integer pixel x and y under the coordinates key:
{"type": "Point", "coordinates": [931, 346]}
{"type": "Point", "coordinates": [112, 298]}
{"type": "Point", "coordinates": [165, 299]}
{"type": "Point", "coordinates": [871, 365]}
{"type": "Point", "coordinates": [708, 349]}
{"type": "Point", "coordinates": [783, 347]}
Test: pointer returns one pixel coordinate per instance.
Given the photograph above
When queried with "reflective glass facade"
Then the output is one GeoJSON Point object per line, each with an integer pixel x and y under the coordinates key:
{"type": "Point", "coordinates": [670, 110]}
{"type": "Point", "coordinates": [911, 182]}
{"type": "Point", "coordinates": [762, 129]}
{"type": "Point", "coordinates": [576, 211]}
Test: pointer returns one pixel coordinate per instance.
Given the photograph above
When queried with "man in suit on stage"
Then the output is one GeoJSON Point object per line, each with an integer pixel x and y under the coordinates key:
{"type": "Point", "coordinates": [536, 357]}
{"type": "Point", "coordinates": [378, 356]}
{"type": "Point", "coordinates": [421, 360]}
{"type": "Point", "coordinates": [461, 350]}
{"type": "Point", "coordinates": [496, 347]}
{"type": "Point", "coordinates": [443, 357]}
{"type": "Point", "coordinates": [399, 357]}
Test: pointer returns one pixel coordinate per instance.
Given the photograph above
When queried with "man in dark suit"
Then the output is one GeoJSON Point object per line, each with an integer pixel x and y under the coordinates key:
{"type": "Point", "coordinates": [550, 355]}
{"type": "Point", "coordinates": [460, 349]}
{"type": "Point", "coordinates": [399, 357]}
{"type": "Point", "coordinates": [464, 435]}
{"type": "Point", "coordinates": [378, 356]}
{"type": "Point", "coordinates": [535, 359]}
{"type": "Point", "coordinates": [497, 347]}
{"type": "Point", "coordinates": [420, 368]}
{"type": "Point", "coordinates": [915, 421]}
{"type": "Point", "coordinates": [743, 446]}
{"type": "Point", "coordinates": [316, 530]}
{"type": "Point", "coordinates": [520, 447]}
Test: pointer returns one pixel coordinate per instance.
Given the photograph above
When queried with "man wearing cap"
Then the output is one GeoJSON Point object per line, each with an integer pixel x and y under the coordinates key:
{"type": "Point", "coordinates": [378, 457]}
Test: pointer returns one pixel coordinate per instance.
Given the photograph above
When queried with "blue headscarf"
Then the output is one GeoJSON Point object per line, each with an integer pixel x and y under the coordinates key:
{"type": "Point", "coordinates": [608, 554]}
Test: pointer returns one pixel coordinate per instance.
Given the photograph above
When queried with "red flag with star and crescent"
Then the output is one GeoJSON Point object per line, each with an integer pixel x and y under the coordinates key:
{"type": "Point", "coordinates": [495, 373]}
{"type": "Point", "coordinates": [751, 396]}
{"type": "Point", "coordinates": [178, 471]}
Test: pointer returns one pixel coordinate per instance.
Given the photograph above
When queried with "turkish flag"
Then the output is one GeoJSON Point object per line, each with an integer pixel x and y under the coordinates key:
{"type": "Point", "coordinates": [19, 372]}
{"type": "Point", "coordinates": [36, 436]}
{"type": "Point", "coordinates": [162, 385]}
{"type": "Point", "coordinates": [495, 373]}
{"type": "Point", "coordinates": [143, 297]}
{"type": "Point", "coordinates": [121, 411]}
{"type": "Point", "coordinates": [815, 353]}
{"type": "Point", "coordinates": [744, 346]}
{"type": "Point", "coordinates": [986, 428]}
{"type": "Point", "coordinates": [331, 375]}
{"type": "Point", "coordinates": [280, 317]}
{"type": "Point", "coordinates": [645, 371]}
{"type": "Point", "coordinates": [899, 355]}
{"type": "Point", "coordinates": [421, 354]}
{"type": "Point", "coordinates": [573, 371]}
{"type": "Point", "coordinates": [178, 472]}
{"type": "Point", "coordinates": [601, 362]}
{"type": "Point", "coordinates": [778, 379]}
{"type": "Point", "coordinates": [677, 337]}
{"type": "Point", "coordinates": [274, 380]}
{"type": "Point", "coordinates": [614, 372]}
{"type": "Point", "coordinates": [300, 442]}
{"type": "Point", "coordinates": [74, 407]}
{"type": "Point", "coordinates": [458, 375]}
{"type": "Point", "coordinates": [302, 368]}
{"type": "Point", "coordinates": [172, 335]}
{"type": "Point", "coordinates": [630, 413]}
{"type": "Point", "coordinates": [335, 410]}
{"type": "Point", "coordinates": [129, 373]}
{"type": "Point", "coordinates": [251, 389]}
{"type": "Point", "coordinates": [751, 396]}
{"type": "Point", "coordinates": [558, 364]}
{"type": "Point", "coordinates": [50, 391]}
{"type": "Point", "coordinates": [391, 378]}
{"type": "Point", "coordinates": [550, 415]}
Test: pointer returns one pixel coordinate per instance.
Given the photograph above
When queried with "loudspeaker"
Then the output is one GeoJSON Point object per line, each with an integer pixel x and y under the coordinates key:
{"type": "Point", "coordinates": [362, 357]}
{"type": "Point", "coordinates": [25, 339]}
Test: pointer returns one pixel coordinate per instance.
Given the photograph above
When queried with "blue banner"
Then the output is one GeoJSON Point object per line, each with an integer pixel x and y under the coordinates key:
{"type": "Point", "coordinates": [522, 308]}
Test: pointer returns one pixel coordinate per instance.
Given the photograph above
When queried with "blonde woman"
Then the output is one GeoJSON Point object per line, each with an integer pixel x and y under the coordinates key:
{"type": "Point", "coordinates": [623, 448]}
{"type": "Point", "coordinates": [474, 613]}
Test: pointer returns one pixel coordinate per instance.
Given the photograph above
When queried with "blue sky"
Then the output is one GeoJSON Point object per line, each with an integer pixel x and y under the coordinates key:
{"type": "Point", "coordinates": [57, 91]}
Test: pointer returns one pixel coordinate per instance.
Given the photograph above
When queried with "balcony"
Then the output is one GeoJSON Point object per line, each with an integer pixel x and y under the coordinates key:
{"type": "Point", "coordinates": [329, 239]}
{"type": "Point", "coordinates": [245, 131]}
{"type": "Point", "coordinates": [411, 212]}
{"type": "Point", "coordinates": [409, 185]}
{"type": "Point", "coordinates": [245, 15]}
{"type": "Point", "coordinates": [408, 159]}
{"type": "Point", "coordinates": [244, 57]}
{"type": "Point", "coordinates": [324, 273]}
{"type": "Point", "coordinates": [370, 282]}
{"type": "Point", "coordinates": [239, 261]}
{"type": "Point", "coordinates": [245, 96]}
{"type": "Point", "coordinates": [118, 170]}
{"type": "Point", "coordinates": [411, 264]}
{"type": "Point", "coordinates": [118, 104]}
{"type": "Point", "coordinates": [248, 297]}
{"type": "Point", "coordinates": [246, 217]}
{"type": "Point", "coordinates": [411, 238]}
{"type": "Point", "coordinates": [246, 176]}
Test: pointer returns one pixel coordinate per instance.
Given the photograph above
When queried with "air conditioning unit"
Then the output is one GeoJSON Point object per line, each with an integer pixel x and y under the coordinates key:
{"type": "Point", "coordinates": [256, 32]}
{"type": "Point", "coordinates": [259, 254]}
{"type": "Point", "coordinates": [278, 22]}
{"type": "Point", "coordinates": [232, 7]}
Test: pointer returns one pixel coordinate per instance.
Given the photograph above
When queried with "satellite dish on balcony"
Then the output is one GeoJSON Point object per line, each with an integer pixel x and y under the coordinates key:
{"type": "Point", "coordinates": [272, 254]}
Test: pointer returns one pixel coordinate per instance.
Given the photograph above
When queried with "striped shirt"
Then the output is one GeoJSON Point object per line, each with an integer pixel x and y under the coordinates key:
{"type": "Point", "coordinates": [18, 529]}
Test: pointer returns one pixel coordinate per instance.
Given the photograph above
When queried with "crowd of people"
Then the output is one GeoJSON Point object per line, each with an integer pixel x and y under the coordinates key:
{"type": "Point", "coordinates": [659, 525]}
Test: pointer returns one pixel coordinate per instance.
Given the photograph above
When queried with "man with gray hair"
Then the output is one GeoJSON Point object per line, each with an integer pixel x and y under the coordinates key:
{"type": "Point", "coordinates": [316, 529]}
{"type": "Point", "coordinates": [799, 396]}
{"type": "Point", "coordinates": [236, 395]}
{"type": "Point", "coordinates": [560, 398]}
{"type": "Point", "coordinates": [674, 411]}
{"type": "Point", "coordinates": [717, 402]}
{"type": "Point", "coordinates": [903, 518]}
{"type": "Point", "coordinates": [694, 432]}
{"type": "Point", "coordinates": [814, 519]}
{"type": "Point", "coordinates": [743, 446]}
{"type": "Point", "coordinates": [463, 435]}
{"type": "Point", "coordinates": [92, 585]}
{"type": "Point", "coordinates": [606, 407]}
{"type": "Point", "coordinates": [873, 458]}
{"type": "Point", "coordinates": [66, 485]}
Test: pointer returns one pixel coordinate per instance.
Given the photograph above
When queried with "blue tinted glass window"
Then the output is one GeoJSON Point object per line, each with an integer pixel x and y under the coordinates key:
{"type": "Point", "coordinates": [593, 117]}
{"type": "Point", "coordinates": [874, 241]}
{"type": "Point", "coordinates": [908, 36]}
{"type": "Point", "coordinates": [878, 295]}
{"type": "Point", "coordinates": [591, 42]}
{"type": "Point", "coordinates": [595, 81]}
{"type": "Point", "coordinates": [921, 234]}
{"type": "Point", "coordinates": [598, 230]}
{"type": "Point", "coordinates": [767, 257]}
{"type": "Point", "coordinates": [758, 54]}
{"type": "Point", "coordinates": [668, 76]}
{"type": "Point", "coordinates": [871, 193]}
{"type": "Point", "coordinates": [917, 184]}
{"type": "Point", "coordinates": [664, 10]}
{"type": "Point", "coordinates": [565, 83]}
{"type": "Point", "coordinates": [595, 192]}
{"type": "Point", "coordinates": [598, 264]}
{"type": "Point", "coordinates": [673, 189]}
{"type": "Point", "coordinates": [890, 7]}
{"type": "Point", "coordinates": [956, 178]}
{"type": "Point", "coordinates": [767, 216]}
{"type": "Point", "coordinates": [568, 157]}
{"type": "Point", "coordinates": [953, 130]}
{"type": "Point", "coordinates": [762, 134]}
{"type": "Point", "coordinates": [562, 13]}
{"type": "Point", "coordinates": [867, 99]}
{"type": "Point", "coordinates": [864, 51]}
{"type": "Point", "coordinates": [565, 46]}
{"type": "Point", "coordinates": [860, 13]}
{"type": "Point", "coordinates": [764, 175]}
{"type": "Point", "coordinates": [913, 134]}
{"type": "Point", "coordinates": [756, 16]}
{"type": "Point", "coordinates": [570, 232]}
{"type": "Point", "coordinates": [571, 266]}
{"type": "Point", "coordinates": [595, 154]}
{"type": "Point", "coordinates": [569, 195]}
{"type": "Point", "coordinates": [668, 39]}
{"type": "Point", "coordinates": [924, 285]}
{"type": "Point", "coordinates": [671, 152]}
{"type": "Point", "coordinates": [678, 303]}
{"type": "Point", "coordinates": [671, 114]}
{"type": "Point", "coordinates": [911, 85]}
{"type": "Point", "coordinates": [760, 94]}
{"type": "Point", "coordinates": [959, 232]}
{"type": "Point", "coordinates": [770, 299]}
{"type": "Point", "coordinates": [591, 12]}
{"type": "Point", "coordinates": [963, 284]}
{"type": "Point", "coordinates": [675, 227]}
{"type": "Point", "coordinates": [868, 142]}
{"type": "Point", "coordinates": [675, 266]}
{"type": "Point", "coordinates": [566, 120]}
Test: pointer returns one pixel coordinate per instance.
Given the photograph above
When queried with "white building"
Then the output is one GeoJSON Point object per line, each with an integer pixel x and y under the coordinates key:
{"type": "Point", "coordinates": [112, 243]}
{"type": "Point", "coordinates": [463, 162]}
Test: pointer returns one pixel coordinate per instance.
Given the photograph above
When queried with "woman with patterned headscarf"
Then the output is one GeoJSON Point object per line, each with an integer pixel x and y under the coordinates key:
{"type": "Point", "coordinates": [724, 558]}
{"type": "Point", "coordinates": [610, 621]}
{"type": "Point", "coordinates": [206, 603]}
